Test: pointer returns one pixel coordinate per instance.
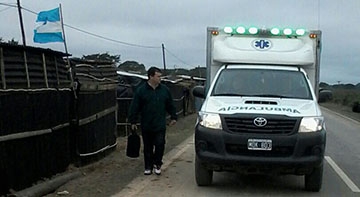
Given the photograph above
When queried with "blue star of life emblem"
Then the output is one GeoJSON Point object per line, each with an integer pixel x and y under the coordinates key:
{"type": "Point", "coordinates": [262, 44]}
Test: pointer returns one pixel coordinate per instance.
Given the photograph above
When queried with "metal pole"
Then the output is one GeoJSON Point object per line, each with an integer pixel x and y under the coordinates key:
{"type": "Point", "coordinates": [63, 31]}
{"type": "Point", "coordinates": [163, 52]}
{"type": "Point", "coordinates": [66, 50]}
{"type": "Point", "coordinates": [21, 23]}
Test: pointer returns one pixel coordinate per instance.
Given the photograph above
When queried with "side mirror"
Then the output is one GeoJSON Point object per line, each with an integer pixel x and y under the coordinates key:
{"type": "Point", "coordinates": [199, 91]}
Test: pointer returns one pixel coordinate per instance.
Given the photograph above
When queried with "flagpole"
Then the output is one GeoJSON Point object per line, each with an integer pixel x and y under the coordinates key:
{"type": "Point", "coordinates": [21, 23]}
{"type": "Point", "coordinates": [66, 51]}
{"type": "Point", "coordinates": [62, 28]}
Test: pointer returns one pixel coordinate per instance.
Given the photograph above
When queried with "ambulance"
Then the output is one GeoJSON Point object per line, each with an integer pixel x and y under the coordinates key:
{"type": "Point", "coordinates": [260, 113]}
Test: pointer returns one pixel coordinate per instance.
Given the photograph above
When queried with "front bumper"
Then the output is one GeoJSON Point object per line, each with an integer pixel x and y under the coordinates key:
{"type": "Point", "coordinates": [296, 153]}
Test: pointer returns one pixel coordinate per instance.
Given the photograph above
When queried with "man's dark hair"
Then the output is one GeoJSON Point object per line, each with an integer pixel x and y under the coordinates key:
{"type": "Point", "coordinates": [152, 71]}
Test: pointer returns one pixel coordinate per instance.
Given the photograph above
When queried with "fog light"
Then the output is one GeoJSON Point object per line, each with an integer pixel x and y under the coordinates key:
{"type": "Point", "coordinates": [316, 151]}
{"type": "Point", "coordinates": [202, 146]}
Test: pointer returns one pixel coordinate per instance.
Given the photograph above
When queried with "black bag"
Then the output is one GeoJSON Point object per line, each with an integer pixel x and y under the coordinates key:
{"type": "Point", "coordinates": [133, 145]}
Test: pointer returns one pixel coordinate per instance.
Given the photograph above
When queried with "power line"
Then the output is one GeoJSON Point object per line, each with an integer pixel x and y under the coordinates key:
{"type": "Point", "coordinates": [105, 38]}
{"type": "Point", "coordinates": [29, 10]}
{"type": "Point", "coordinates": [112, 40]}
{"type": "Point", "coordinates": [5, 9]}
{"type": "Point", "coordinates": [9, 6]}
{"type": "Point", "coordinates": [167, 50]}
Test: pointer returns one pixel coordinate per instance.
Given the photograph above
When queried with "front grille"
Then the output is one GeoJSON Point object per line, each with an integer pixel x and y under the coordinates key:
{"type": "Point", "coordinates": [275, 125]}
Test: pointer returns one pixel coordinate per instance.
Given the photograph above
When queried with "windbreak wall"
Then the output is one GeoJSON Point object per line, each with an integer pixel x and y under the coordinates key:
{"type": "Point", "coordinates": [35, 93]}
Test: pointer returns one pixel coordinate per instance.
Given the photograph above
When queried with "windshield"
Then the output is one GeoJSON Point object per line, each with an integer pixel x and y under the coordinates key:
{"type": "Point", "coordinates": [263, 83]}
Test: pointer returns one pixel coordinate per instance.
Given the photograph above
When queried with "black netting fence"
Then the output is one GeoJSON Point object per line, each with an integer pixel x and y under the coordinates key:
{"type": "Point", "coordinates": [35, 95]}
{"type": "Point", "coordinates": [95, 106]}
{"type": "Point", "coordinates": [180, 91]}
{"type": "Point", "coordinates": [34, 135]}
{"type": "Point", "coordinates": [50, 118]}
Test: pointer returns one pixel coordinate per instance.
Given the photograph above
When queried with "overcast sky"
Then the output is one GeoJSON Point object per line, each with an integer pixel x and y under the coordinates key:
{"type": "Point", "coordinates": [181, 26]}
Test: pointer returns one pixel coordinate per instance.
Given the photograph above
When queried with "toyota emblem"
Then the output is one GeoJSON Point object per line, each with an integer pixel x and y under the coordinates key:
{"type": "Point", "coordinates": [260, 122]}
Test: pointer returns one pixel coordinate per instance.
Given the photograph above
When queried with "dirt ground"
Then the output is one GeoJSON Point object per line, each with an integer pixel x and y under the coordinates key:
{"type": "Point", "coordinates": [112, 173]}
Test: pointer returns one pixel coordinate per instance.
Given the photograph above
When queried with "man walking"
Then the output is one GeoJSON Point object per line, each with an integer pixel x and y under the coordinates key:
{"type": "Point", "coordinates": [152, 100]}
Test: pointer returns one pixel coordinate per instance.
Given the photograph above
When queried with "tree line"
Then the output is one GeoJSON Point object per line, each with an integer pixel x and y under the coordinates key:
{"type": "Point", "coordinates": [348, 86]}
{"type": "Point", "coordinates": [138, 68]}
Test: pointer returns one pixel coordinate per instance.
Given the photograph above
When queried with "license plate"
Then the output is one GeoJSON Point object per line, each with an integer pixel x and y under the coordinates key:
{"type": "Point", "coordinates": [259, 144]}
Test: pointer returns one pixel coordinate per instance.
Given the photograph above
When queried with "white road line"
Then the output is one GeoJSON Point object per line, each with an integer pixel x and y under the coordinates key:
{"type": "Point", "coordinates": [342, 175]}
{"type": "Point", "coordinates": [343, 116]}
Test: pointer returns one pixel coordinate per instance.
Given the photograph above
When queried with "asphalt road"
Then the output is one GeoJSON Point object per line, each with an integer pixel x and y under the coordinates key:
{"type": "Point", "coordinates": [341, 171]}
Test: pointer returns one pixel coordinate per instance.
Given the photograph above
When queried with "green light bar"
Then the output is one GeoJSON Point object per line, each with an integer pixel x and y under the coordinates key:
{"type": "Point", "coordinates": [275, 31]}
{"type": "Point", "coordinates": [300, 32]}
{"type": "Point", "coordinates": [241, 30]}
{"type": "Point", "coordinates": [287, 31]}
{"type": "Point", "coordinates": [228, 30]}
{"type": "Point", "coordinates": [253, 30]}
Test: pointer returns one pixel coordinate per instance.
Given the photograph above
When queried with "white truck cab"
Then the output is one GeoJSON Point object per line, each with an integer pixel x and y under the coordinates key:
{"type": "Point", "coordinates": [260, 112]}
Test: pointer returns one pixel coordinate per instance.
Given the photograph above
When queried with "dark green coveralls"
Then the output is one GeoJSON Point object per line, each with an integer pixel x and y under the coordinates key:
{"type": "Point", "coordinates": [153, 106]}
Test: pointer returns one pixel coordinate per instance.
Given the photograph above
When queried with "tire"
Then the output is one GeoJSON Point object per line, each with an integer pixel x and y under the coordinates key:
{"type": "Point", "coordinates": [203, 176]}
{"type": "Point", "coordinates": [313, 181]}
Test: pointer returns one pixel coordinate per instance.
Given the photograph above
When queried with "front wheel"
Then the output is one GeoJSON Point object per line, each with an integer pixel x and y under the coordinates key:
{"type": "Point", "coordinates": [203, 176]}
{"type": "Point", "coordinates": [313, 181]}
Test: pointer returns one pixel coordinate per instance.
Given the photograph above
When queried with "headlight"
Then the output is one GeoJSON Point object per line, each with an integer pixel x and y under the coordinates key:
{"type": "Point", "coordinates": [210, 120]}
{"type": "Point", "coordinates": [311, 124]}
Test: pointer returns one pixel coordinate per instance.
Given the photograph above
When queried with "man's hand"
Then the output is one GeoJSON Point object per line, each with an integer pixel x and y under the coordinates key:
{"type": "Point", "coordinates": [172, 122]}
{"type": "Point", "coordinates": [133, 127]}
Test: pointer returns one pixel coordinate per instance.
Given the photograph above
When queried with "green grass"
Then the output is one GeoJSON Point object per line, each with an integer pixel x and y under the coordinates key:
{"type": "Point", "coordinates": [343, 101]}
{"type": "Point", "coordinates": [345, 97]}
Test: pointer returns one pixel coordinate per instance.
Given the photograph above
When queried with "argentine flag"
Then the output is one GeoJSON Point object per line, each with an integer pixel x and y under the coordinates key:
{"type": "Point", "coordinates": [48, 27]}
